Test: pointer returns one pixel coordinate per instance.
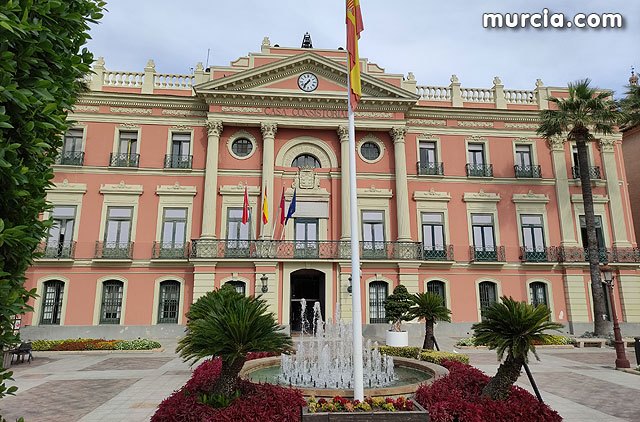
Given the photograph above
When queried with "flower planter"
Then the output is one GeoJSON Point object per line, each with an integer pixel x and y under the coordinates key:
{"type": "Point", "coordinates": [397, 338]}
{"type": "Point", "coordinates": [419, 414]}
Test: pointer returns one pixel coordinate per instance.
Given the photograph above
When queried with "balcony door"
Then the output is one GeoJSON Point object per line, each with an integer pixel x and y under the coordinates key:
{"type": "Point", "coordinates": [306, 237]}
{"type": "Point", "coordinates": [60, 238]}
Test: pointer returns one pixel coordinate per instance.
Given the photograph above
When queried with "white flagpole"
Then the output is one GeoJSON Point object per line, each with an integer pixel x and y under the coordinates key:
{"type": "Point", "coordinates": [356, 301]}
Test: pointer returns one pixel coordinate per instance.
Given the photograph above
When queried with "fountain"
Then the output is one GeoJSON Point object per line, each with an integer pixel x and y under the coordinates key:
{"type": "Point", "coordinates": [323, 362]}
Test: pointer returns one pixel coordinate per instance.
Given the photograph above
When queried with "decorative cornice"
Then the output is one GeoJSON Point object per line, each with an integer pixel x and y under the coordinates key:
{"type": "Point", "coordinates": [481, 196]}
{"type": "Point", "coordinates": [525, 126]}
{"type": "Point", "coordinates": [466, 123]}
{"type": "Point", "coordinates": [476, 138]}
{"type": "Point", "coordinates": [130, 110]}
{"type": "Point", "coordinates": [268, 129]}
{"type": "Point", "coordinates": [176, 190]}
{"type": "Point", "coordinates": [85, 109]}
{"type": "Point", "coordinates": [184, 113]}
{"type": "Point", "coordinates": [426, 136]}
{"type": "Point", "coordinates": [431, 195]}
{"type": "Point", "coordinates": [426, 122]}
{"type": "Point", "coordinates": [576, 198]}
{"type": "Point", "coordinates": [239, 189]}
{"type": "Point", "coordinates": [66, 187]}
{"type": "Point", "coordinates": [214, 127]}
{"type": "Point", "coordinates": [231, 109]}
{"type": "Point", "coordinates": [374, 192]}
{"type": "Point", "coordinates": [182, 127]}
{"type": "Point", "coordinates": [121, 189]}
{"type": "Point", "coordinates": [530, 197]}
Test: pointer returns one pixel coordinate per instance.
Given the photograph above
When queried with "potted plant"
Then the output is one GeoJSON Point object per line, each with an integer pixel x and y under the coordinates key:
{"type": "Point", "coordinates": [396, 308]}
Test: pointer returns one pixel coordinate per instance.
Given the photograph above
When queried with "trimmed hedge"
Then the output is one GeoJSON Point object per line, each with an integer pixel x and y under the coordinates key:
{"type": "Point", "coordinates": [425, 355]}
{"type": "Point", "coordinates": [81, 344]}
{"type": "Point", "coordinates": [556, 340]}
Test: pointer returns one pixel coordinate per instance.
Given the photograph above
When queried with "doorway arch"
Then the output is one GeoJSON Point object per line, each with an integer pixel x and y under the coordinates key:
{"type": "Point", "coordinates": [306, 284]}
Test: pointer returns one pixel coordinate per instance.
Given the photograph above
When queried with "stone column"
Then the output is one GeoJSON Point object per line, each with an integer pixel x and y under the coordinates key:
{"type": "Point", "coordinates": [567, 223]}
{"type": "Point", "coordinates": [402, 191]}
{"type": "Point", "coordinates": [214, 129]}
{"type": "Point", "coordinates": [345, 224]}
{"type": "Point", "coordinates": [618, 220]}
{"type": "Point", "coordinates": [268, 162]}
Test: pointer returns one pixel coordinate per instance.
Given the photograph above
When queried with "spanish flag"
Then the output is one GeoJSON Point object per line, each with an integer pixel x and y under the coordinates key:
{"type": "Point", "coordinates": [354, 28]}
{"type": "Point", "coordinates": [265, 208]}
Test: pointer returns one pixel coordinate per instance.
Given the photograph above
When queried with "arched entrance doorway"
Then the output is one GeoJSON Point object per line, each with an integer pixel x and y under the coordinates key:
{"type": "Point", "coordinates": [309, 285]}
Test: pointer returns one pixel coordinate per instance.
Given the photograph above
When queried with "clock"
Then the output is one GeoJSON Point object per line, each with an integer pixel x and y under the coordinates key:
{"type": "Point", "coordinates": [308, 82]}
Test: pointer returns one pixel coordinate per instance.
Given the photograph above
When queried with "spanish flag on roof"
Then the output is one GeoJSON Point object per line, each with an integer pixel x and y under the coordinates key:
{"type": "Point", "coordinates": [354, 28]}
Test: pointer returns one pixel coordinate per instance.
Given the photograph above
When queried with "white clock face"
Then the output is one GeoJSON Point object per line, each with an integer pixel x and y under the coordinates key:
{"type": "Point", "coordinates": [308, 82]}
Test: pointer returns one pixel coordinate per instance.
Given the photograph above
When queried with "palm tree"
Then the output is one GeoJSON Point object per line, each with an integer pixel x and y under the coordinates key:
{"type": "Point", "coordinates": [227, 324]}
{"type": "Point", "coordinates": [430, 307]}
{"type": "Point", "coordinates": [511, 327]}
{"type": "Point", "coordinates": [631, 106]}
{"type": "Point", "coordinates": [585, 113]}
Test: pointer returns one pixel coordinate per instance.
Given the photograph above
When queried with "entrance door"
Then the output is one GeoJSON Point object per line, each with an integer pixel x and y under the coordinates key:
{"type": "Point", "coordinates": [308, 285]}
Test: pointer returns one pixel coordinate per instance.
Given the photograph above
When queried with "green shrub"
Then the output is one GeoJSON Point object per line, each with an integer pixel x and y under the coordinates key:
{"type": "Point", "coordinates": [403, 352]}
{"type": "Point", "coordinates": [81, 344]}
{"type": "Point", "coordinates": [551, 340]}
{"type": "Point", "coordinates": [139, 344]}
{"type": "Point", "coordinates": [439, 357]}
{"type": "Point", "coordinates": [467, 341]}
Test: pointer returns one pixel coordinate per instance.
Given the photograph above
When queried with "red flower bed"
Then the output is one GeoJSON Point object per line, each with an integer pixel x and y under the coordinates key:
{"type": "Point", "coordinates": [258, 402]}
{"type": "Point", "coordinates": [458, 395]}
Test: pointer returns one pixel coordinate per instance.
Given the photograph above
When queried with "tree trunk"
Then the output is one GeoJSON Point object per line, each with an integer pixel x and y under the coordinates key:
{"type": "Point", "coordinates": [508, 373]}
{"type": "Point", "coordinates": [227, 382]}
{"type": "Point", "coordinates": [428, 334]}
{"type": "Point", "coordinates": [599, 303]}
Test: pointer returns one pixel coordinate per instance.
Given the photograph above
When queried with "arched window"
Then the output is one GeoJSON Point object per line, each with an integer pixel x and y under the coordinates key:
{"type": "Point", "coordinates": [240, 286]}
{"type": "Point", "coordinates": [437, 288]}
{"type": "Point", "coordinates": [306, 160]}
{"type": "Point", "coordinates": [378, 292]}
{"type": "Point", "coordinates": [111, 311]}
{"type": "Point", "coordinates": [169, 302]}
{"type": "Point", "coordinates": [52, 302]}
{"type": "Point", "coordinates": [538, 293]}
{"type": "Point", "coordinates": [488, 292]}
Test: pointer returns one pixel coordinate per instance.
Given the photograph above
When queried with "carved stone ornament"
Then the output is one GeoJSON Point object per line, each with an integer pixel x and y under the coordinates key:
{"type": "Point", "coordinates": [521, 126]}
{"type": "Point", "coordinates": [481, 196]}
{"type": "Point", "coordinates": [427, 122]}
{"type": "Point", "coordinates": [214, 127]}
{"type": "Point", "coordinates": [606, 144]}
{"type": "Point", "coordinates": [269, 129]}
{"type": "Point", "coordinates": [476, 138]}
{"type": "Point", "coordinates": [343, 133]}
{"type": "Point", "coordinates": [130, 125]}
{"type": "Point", "coordinates": [556, 143]}
{"type": "Point", "coordinates": [182, 127]}
{"type": "Point", "coordinates": [397, 133]}
{"type": "Point", "coordinates": [467, 123]}
{"type": "Point", "coordinates": [307, 179]}
{"type": "Point", "coordinates": [130, 110]}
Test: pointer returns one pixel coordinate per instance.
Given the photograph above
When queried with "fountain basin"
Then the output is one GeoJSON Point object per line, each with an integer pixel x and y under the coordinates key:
{"type": "Point", "coordinates": [413, 373]}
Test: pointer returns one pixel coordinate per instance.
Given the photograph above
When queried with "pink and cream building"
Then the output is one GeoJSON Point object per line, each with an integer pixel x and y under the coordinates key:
{"type": "Point", "coordinates": [456, 195]}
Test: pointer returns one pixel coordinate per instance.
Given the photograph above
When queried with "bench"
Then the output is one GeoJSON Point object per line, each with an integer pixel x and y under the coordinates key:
{"type": "Point", "coordinates": [21, 351]}
{"type": "Point", "coordinates": [590, 342]}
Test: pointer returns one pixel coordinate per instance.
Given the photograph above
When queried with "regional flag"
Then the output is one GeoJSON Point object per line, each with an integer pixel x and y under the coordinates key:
{"type": "Point", "coordinates": [245, 207]}
{"type": "Point", "coordinates": [265, 208]}
{"type": "Point", "coordinates": [282, 216]}
{"type": "Point", "coordinates": [292, 207]}
{"type": "Point", "coordinates": [354, 28]}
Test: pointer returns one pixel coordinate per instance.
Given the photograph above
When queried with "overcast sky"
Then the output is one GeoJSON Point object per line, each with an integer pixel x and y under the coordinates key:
{"type": "Point", "coordinates": [431, 38]}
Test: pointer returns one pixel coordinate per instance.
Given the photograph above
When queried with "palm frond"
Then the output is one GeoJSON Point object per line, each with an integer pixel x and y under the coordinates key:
{"type": "Point", "coordinates": [429, 306]}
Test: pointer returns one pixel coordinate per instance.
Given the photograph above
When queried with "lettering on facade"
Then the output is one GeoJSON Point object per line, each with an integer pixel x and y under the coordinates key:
{"type": "Point", "coordinates": [308, 113]}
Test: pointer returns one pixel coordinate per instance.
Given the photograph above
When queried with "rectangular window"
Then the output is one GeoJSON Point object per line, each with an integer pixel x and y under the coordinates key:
{"type": "Point", "coordinates": [117, 236]}
{"type": "Point", "coordinates": [60, 238]}
{"type": "Point", "coordinates": [602, 248]}
{"type": "Point", "coordinates": [484, 243]}
{"type": "Point", "coordinates": [475, 154]}
{"type": "Point", "coordinates": [128, 143]}
{"type": "Point", "coordinates": [52, 302]}
{"type": "Point", "coordinates": [373, 233]}
{"type": "Point", "coordinates": [237, 233]}
{"type": "Point", "coordinates": [533, 238]}
{"type": "Point", "coordinates": [169, 302]}
{"type": "Point", "coordinates": [433, 235]}
{"type": "Point", "coordinates": [180, 156]}
{"type": "Point", "coordinates": [523, 156]}
{"type": "Point", "coordinates": [174, 227]}
{"type": "Point", "coordinates": [112, 293]}
{"type": "Point", "coordinates": [306, 237]}
{"type": "Point", "coordinates": [72, 141]}
{"type": "Point", "coordinates": [428, 152]}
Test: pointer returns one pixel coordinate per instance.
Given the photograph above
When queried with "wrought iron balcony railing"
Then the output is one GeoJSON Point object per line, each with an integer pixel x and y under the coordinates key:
{"type": "Point", "coordinates": [170, 250]}
{"type": "Point", "coordinates": [579, 254]}
{"type": "Point", "coordinates": [114, 250]}
{"type": "Point", "coordinates": [70, 158]}
{"type": "Point", "coordinates": [56, 250]}
{"type": "Point", "coordinates": [487, 254]}
{"type": "Point", "coordinates": [426, 168]}
{"type": "Point", "coordinates": [622, 255]}
{"type": "Point", "coordinates": [548, 254]}
{"type": "Point", "coordinates": [479, 170]}
{"type": "Point", "coordinates": [178, 161]}
{"type": "Point", "coordinates": [437, 253]}
{"type": "Point", "coordinates": [527, 172]}
{"type": "Point", "coordinates": [124, 160]}
{"type": "Point", "coordinates": [594, 172]}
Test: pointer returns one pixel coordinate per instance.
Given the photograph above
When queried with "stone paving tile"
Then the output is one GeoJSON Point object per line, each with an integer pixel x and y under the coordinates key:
{"type": "Point", "coordinates": [604, 358]}
{"type": "Point", "coordinates": [614, 400]}
{"type": "Point", "coordinates": [40, 361]}
{"type": "Point", "coordinates": [61, 400]}
{"type": "Point", "coordinates": [128, 363]}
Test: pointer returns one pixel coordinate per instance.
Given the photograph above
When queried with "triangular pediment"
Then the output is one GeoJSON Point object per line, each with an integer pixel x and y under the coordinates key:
{"type": "Point", "coordinates": [279, 79]}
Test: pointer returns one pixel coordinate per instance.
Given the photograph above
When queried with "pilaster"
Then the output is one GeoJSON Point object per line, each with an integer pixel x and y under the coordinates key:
{"type": "Point", "coordinates": [576, 295]}
{"type": "Point", "coordinates": [618, 220]}
{"type": "Point", "coordinates": [209, 206]}
{"type": "Point", "coordinates": [346, 310]}
{"type": "Point", "coordinates": [408, 274]}
{"type": "Point", "coordinates": [273, 294]}
{"type": "Point", "coordinates": [402, 191]}
{"type": "Point", "coordinates": [345, 223]}
{"type": "Point", "coordinates": [203, 281]}
{"type": "Point", "coordinates": [629, 289]}
{"type": "Point", "coordinates": [567, 224]}
{"type": "Point", "coordinates": [268, 161]}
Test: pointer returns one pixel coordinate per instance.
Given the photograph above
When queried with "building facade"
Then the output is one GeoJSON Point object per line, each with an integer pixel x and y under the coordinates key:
{"type": "Point", "coordinates": [456, 195]}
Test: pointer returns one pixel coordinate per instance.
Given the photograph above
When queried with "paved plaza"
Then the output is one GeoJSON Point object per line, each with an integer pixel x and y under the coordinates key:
{"type": "Point", "coordinates": [579, 383]}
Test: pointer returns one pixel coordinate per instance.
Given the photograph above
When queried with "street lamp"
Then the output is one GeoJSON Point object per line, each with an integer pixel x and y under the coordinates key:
{"type": "Point", "coordinates": [350, 288]}
{"type": "Point", "coordinates": [264, 279]}
{"type": "Point", "coordinates": [621, 357]}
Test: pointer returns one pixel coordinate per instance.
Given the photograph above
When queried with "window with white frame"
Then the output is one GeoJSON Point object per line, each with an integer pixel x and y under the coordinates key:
{"type": "Point", "coordinates": [180, 156]}
{"type": "Point", "coordinates": [533, 237]}
{"type": "Point", "coordinates": [239, 286]}
{"type": "Point", "coordinates": [373, 242]}
{"type": "Point", "coordinates": [111, 309]}
{"type": "Point", "coordinates": [378, 292]}
{"type": "Point", "coordinates": [169, 302]}
{"type": "Point", "coordinates": [53, 290]}
{"type": "Point", "coordinates": [60, 238]}
{"type": "Point", "coordinates": [437, 288]}
{"type": "Point", "coordinates": [433, 241]}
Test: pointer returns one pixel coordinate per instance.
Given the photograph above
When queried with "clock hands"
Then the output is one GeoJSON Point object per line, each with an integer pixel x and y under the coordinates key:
{"type": "Point", "coordinates": [304, 85]}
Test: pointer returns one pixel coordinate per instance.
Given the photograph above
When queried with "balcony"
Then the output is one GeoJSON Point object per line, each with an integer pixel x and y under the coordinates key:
{"type": "Point", "coordinates": [580, 254]}
{"type": "Point", "coordinates": [430, 169]}
{"type": "Point", "coordinates": [527, 172]}
{"type": "Point", "coordinates": [437, 253]}
{"type": "Point", "coordinates": [487, 254]}
{"type": "Point", "coordinates": [56, 250]}
{"type": "Point", "coordinates": [114, 250]}
{"type": "Point", "coordinates": [124, 160]}
{"type": "Point", "coordinates": [594, 172]}
{"type": "Point", "coordinates": [169, 250]}
{"type": "Point", "coordinates": [539, 255]}
{"type": "Point", "coordinates": [479, 170]}
{"type": "Point", "coordinates": [178, 161]}
{"type": "Point", "coordinates": [70, 158]}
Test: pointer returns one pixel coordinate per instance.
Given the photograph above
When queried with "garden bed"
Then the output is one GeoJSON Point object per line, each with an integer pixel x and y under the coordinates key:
{"type": "Point", "coordinates": [415, 413]}
{"type": "Point", "coordinates": [552, 342]}
{"type": "Point", "coordinates": [91, 344]}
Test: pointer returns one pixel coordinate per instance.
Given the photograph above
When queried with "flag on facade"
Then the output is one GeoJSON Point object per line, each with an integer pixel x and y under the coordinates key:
{"type": "Point", "coordinates": [354, 28]}
{"type": "Point", "coordinates": [282, 216]}
{"type": "Point", "coordinates": [245, 207]}
{"type": "Point", "coordinates": [265, 207]}
{"type": "Point", "coordinates": [292, 207]}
